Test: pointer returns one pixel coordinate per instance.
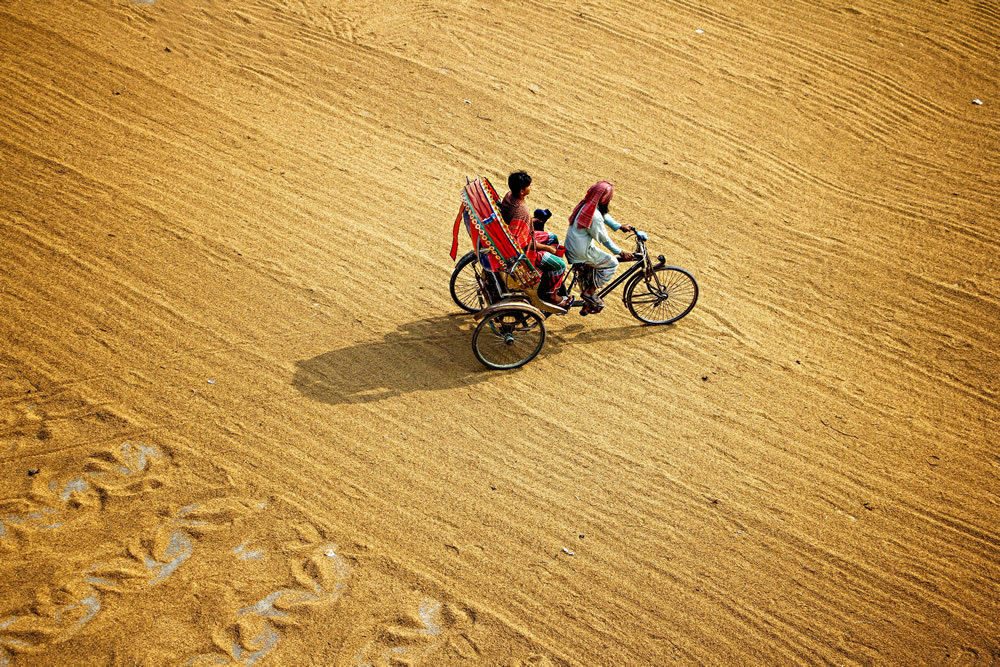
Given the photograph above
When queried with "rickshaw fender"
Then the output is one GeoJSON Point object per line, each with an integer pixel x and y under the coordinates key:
{"type": "Point", "coordinates": [508, 304]}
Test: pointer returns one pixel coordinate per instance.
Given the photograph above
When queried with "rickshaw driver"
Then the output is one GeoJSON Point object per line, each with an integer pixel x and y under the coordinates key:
{"type": "Point", "coordinates": [521, 224]}
{"type": "Point", "coordinates": [588, 224]}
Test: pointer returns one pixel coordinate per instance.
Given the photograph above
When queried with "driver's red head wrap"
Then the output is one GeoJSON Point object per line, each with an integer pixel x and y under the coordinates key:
{"type": "Point", "coordinates": [599, 193]}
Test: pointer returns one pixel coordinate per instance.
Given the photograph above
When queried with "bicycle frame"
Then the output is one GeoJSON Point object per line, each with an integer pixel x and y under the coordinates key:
{"type": "Point", "coordinates": [641, 263]}
{"type": "Point", "coordinates": [504, 292]}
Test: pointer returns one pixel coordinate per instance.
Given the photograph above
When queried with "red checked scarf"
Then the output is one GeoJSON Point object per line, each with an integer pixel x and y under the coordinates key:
{"type": "Point", "coordinates": [599, 193]}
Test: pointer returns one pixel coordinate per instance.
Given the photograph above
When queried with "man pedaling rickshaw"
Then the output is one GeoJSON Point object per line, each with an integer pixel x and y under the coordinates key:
{"type": "Point", "coordinates": [587, 225]}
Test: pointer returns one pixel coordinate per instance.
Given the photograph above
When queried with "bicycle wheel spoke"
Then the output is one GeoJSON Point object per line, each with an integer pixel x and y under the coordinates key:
{"type": "Point", "coordinates": [664, 297]}
{"type": "Point", "coordinates": [465, 285]}
{"type": "Point", "coordinates": [504, 353]}
{"type": "Point", "coordinates": [467, 292]}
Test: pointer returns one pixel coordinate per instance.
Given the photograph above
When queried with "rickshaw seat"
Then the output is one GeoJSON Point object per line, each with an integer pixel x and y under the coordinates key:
{"type": "Point", "coordinates": [491, 237]}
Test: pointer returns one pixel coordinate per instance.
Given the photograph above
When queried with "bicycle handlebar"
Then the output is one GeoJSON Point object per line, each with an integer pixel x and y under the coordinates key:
{"type": "Point", "coordinates": [640, 241]}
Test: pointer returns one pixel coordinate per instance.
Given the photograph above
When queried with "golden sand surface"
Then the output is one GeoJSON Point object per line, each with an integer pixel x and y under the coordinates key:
{"type": "Point", "coordinates": [240, 416]}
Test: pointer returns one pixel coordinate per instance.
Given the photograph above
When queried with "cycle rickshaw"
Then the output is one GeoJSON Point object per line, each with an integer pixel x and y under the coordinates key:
{"type": "Point", "coordinates": [496, 282]}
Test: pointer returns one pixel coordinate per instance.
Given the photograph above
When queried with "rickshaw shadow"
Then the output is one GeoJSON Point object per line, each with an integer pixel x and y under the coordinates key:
{"type": "Point", "coordinates": [579, 333]}
{"type": "Point", "coordinates": [417, 356]}
{"type": "Point", "coordinates": [427, 355]}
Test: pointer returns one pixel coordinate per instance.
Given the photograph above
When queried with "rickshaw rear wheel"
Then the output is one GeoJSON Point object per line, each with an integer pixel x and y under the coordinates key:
{"type": "Point", "coordinates": [666, 296]}
{"type": "Point", "coordinates": [464, 284]}
{"type": "Point", "coordinates": [508, 339]}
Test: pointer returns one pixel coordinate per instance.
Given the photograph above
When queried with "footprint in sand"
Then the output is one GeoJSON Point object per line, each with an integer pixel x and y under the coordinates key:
{"type": "Point", "coordinates": [321, 574]}
{"type": "Point", "coordinates": [417, 637]}
{"type": "Point", "coordinates": [31, 632]}
{"type": "Point", "coordinates": [154, 558]}
{"type": "Point", "coordinates": [59, 613]}
{"type": "Point", "coordinates": [149, 562]}
{"type": "Point", "coordinates": [118, 473]}
{"type": "Point", "coordinates": [127, 471]}
{"type": "Point", "coordinates": [177, 551]}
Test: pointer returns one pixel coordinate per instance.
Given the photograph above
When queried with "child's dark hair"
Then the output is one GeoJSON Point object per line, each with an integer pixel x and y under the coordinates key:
{"type": "Point", "coordinates": [518, 181]}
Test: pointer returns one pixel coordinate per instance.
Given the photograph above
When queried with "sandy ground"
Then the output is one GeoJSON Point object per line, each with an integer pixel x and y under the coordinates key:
{"type": "Point", "coordinates": [240, 417]}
